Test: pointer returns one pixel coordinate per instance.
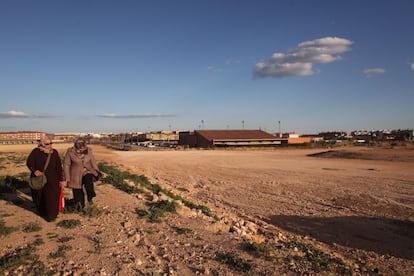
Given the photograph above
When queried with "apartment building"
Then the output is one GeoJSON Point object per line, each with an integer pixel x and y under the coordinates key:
{"type": "Point", "coordinates": [21, 137]}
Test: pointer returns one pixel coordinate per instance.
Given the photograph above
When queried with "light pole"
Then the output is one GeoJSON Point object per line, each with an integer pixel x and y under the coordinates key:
{"type": "Point", "coordinates": [243, 124]}
{"type": "Point", "coordinates": [280, 134]}
{"type": "Point", "coordinates": [202, 124]}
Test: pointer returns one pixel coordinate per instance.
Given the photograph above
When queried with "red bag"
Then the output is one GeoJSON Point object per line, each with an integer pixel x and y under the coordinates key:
{"type": "Point", "coordinates": [61, 200]}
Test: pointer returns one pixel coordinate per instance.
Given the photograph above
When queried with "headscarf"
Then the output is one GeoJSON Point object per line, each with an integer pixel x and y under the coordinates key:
{"type": "Point", "coordinates": [80, 146]}
{"type": "Point", "coordinates": [42, 145]}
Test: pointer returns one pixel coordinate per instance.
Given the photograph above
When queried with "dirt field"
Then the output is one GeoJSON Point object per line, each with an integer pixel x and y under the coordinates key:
{"type": "Point", "coordinates": [355, 204]}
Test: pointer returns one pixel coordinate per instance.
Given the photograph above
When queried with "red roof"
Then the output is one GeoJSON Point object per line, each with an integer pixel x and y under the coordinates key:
{"type": "Point", "coordinates": [214, 135]}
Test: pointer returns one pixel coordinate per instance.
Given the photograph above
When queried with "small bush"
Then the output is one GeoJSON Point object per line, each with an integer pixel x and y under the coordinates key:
{"type": "Point", "coordinates": [22, 257]}
{"type": "Point", "coordinates": [117, 177]}
{"type": "Point", "coordinates": [182, 231]}
{"type": "Point", "coordinates": [157, 210]}
{"type": "Point", "coordinates": [234, 262]}
{"type": "Point", "coordinates": [260, 248]}
{"type": "Point", "coordinates": [69, 223]}
{"type": "Point", "coordinates": [318, 260]}
{"type": "Point", "coordinates": [32, 227]}
{"type": "Point", "coordinates": [6, 230]}
{"type": "Point", "coordinates": [64, 239]}
{"type": "Point", "coordinates": [98, 244]}
{"type": "Point", "coordinates": [60, 252]}
{"type": "Point", "coordinates": [92, 211]}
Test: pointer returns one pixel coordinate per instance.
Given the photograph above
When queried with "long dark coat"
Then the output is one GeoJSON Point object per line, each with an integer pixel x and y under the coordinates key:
{"type": "Point", "coordinates": [46, 200]}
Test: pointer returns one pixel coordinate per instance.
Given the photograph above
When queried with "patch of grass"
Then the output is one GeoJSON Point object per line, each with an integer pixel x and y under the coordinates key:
{"type": "Point", "coordinates": [318, 260]}
{"type": "Point", "coordinates": [60, 252]}
{"type": "Point", "coordinates": [24, 260]}
{"type": "Point", "coordinates": [260, 249]}
{"type": "Point", "coordinates": [92, 211]}
{"type": "Point", "coordinates": [6, 230]}
{"type": "Point", "coordinates": [158, 210]}
{"type": "Point", "coordinates": [17, 159]}
{"type": "Point", "coordinates": [234, 262]}
{"type": "Point", "coordinates": [64, 239]}
{"type": "Point", "coordinates": [117, 177]}
{"type": "Point", "coordinates": [181, 231]}
{"type": "Point", "coordinates": [99, 244]}
{"type": "Point", "coordinates": [69, 223]}
{"type": "Point", "coordinates": [38, 241]}
{"type": "Point", "coordinates": [31, 227]}
{"type": "Point", "coordinates": [9, 184]}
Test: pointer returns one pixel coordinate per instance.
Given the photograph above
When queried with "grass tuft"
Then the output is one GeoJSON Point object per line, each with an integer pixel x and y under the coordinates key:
{"type": "Point", "coordinates": [60, 252]}
{"type": "Point", "coordinates": [158, 210]}
{"type": "Point", "coordinates": [32, 227]}
{"type": "Point", "coordinates": [234, 262]}
{"type": "Point", "coordinates": [69, 223]}
{"type": "Point", "coordinates": [6, 230]}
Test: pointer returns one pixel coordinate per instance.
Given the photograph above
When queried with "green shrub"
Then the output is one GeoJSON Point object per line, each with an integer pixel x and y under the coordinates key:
{"type": "Point", "coordinates": [318, 260]}
{"type": "Point", "coordinates": [6, 230]}
{"type": "Point", "coordinates": [234, 262]}
{"type": "Point", "coordinates": [60, 252]}
{"type": "Point", "coordinates": [260, 248]}
{"type": "Point", "coordinates": [116, 177]}
{"type": "Point", "coordinates": [32, 227]}
{"type": "Point", "coordinates": [158, 210]}
{"type": "Point", "coordinates": [69, 223]}
{"type": "Point", "coordinates": [22, 257]}
{"type": "Point", "coordinates": [99, 244]}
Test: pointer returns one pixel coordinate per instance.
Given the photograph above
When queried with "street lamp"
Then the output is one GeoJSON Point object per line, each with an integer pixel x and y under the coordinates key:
{"type": "Point", "coordinates": [280, 134]}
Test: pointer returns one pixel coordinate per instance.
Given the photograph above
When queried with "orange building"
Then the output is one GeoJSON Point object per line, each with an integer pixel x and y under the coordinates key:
{"type": "Point", "coordinates": [21, 137]}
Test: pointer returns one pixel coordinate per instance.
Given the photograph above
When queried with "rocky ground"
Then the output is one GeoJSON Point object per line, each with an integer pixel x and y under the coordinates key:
{"type": "Point", "coordinates": [271, 212]}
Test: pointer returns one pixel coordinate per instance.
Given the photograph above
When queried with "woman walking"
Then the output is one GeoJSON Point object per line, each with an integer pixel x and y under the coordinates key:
{"type": "Point", "coordinates": [80, 170]}
{"type": "Point", "coordinates": [46, 199]}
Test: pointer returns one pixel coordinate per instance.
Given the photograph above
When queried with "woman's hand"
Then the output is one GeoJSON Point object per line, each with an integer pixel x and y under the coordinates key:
{"type": "Point", "coordinates": [37, 172]}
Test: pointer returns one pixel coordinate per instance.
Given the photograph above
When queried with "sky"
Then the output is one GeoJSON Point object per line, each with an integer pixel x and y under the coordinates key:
{"type": "Point", "coordinates": [131, 65]}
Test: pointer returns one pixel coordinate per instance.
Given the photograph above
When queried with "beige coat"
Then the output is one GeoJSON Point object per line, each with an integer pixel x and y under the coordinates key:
{"type": "Point", "coordinates": [77, 165]}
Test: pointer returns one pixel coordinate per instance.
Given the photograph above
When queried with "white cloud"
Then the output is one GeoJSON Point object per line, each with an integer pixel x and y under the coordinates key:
{"type": "Point", "coordinates": [299, 61]}
{"type": "Point", "coordinates": [214, 69]}
{"type": "Point", "coordinates": [13, 114]}
{"type": "Point", "coordinates": [373, 72]}
{"type": "Point", "coordinates": [19, 114]}
{"type": "Point", "coordinates": [412, 66]}
{"type": "Point", "coordinates": [133, 116]}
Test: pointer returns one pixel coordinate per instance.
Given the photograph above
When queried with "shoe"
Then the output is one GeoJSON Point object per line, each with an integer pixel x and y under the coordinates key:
{"type": "Point", "coordinates": [90, 202]}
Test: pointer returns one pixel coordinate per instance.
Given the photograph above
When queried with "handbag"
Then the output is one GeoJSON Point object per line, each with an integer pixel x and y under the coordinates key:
{"type": "Point", "coordinates": [38, 182]}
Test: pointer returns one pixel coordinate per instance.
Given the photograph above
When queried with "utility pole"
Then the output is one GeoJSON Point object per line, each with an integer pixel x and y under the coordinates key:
{"type": "Point", "coordinates": [202, 124]}
{"type": "Point", "coordinates": [280, 134]}
{"type": "Point", "coordinates": [243, 124]}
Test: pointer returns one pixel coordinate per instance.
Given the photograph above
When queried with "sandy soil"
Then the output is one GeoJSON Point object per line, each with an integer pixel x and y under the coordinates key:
{"type": "Point", "coordinates": [359, 209]}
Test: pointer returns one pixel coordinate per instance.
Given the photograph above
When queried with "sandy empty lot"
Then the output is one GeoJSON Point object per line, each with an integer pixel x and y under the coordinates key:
{"type": "Point", "coordinates": [361, 206]}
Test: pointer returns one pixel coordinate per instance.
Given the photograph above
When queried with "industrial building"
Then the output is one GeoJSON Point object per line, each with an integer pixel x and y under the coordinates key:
{"type": "Point", "coordinates": [228, 138]}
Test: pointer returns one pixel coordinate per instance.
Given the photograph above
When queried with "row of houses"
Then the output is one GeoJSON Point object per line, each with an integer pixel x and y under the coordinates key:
{"type": "Point", "coordinates": [203, 138]}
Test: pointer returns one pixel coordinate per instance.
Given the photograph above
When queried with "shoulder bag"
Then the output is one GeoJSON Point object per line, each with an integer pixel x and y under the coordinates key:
{"type": "Point", "coordinates": [38, 182]}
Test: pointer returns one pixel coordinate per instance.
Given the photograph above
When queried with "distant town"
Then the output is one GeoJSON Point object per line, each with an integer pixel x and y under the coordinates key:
{"type": "Point", "coordinates": [211, 138]}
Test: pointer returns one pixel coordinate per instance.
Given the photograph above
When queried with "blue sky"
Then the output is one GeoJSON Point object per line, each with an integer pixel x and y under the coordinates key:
{"type": "Point", "coordinates": [129, 65]}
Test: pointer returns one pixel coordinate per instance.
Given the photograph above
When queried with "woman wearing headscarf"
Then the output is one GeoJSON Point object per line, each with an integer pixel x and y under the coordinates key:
{"type": "Point", "coordinates": [80, 169]}
{"type": "Point", "coordinates": [46, 199]}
